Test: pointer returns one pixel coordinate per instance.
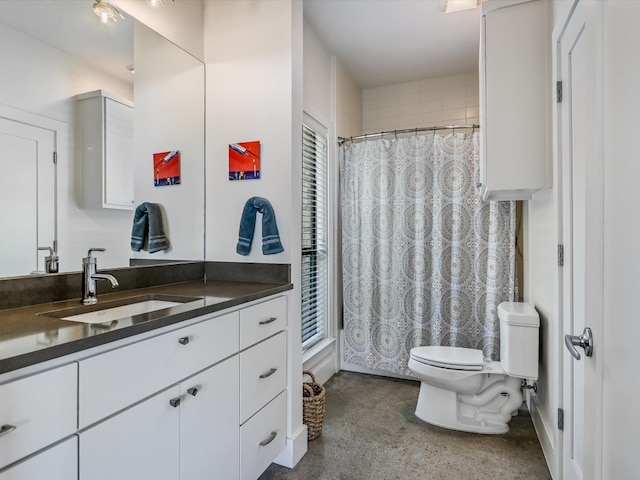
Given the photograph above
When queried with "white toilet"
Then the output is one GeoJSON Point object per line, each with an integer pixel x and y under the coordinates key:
{"type": "Point", "coordinates": [463, 391]}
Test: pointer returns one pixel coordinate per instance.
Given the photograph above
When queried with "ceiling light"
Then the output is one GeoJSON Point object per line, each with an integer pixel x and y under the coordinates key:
{"type": "Point", "coordinates": [449, 6]}
{"type": "Point", "coordinates": [155, 3]}
{"type": "Point", "coordinates": [106, 11]}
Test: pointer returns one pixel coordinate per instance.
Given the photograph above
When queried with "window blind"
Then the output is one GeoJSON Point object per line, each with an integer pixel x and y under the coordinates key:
{"type": "Point", "coordinates": [314, 282]}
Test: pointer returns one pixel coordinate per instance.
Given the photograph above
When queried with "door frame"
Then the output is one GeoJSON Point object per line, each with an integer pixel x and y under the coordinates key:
{"type": "Point", "coordinates": [60, 144]}
{"type": "Point", "coordinates": [593, 388]}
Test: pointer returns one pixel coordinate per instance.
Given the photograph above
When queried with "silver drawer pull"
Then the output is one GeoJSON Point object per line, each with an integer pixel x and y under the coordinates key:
{"type": "Point", "coordinates": [183, 340]}
{"type": "Point", "coordinates": [267, 321]}
{"type": "Point", "coordinates": [267, 441]}
{"type": "Point", "coordinates": [269, 373]}
{"type": "Point", "coordinates": [5, 429]}
{"type": "Point", "coordinates": [175, 402]}
{"type": "Point", "coordinates": [193, 391]}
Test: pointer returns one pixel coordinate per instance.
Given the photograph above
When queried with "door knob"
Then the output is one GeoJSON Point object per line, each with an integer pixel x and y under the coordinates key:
{"type": "Point", "coordinates": [585, 341]}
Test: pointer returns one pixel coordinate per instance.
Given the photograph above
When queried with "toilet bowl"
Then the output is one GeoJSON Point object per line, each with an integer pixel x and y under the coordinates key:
{"type": "Point", "coordinates": [462, 390]}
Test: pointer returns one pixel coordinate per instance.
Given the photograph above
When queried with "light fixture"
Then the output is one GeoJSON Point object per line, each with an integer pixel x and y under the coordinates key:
{"type": "Point", "coordinates": [450, 6]}
{"type": "Point", "coordinates": [155, 3]}
{"type": "Point", "coordinates": [106, 11]}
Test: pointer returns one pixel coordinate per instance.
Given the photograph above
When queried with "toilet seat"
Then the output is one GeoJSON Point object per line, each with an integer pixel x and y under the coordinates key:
{"type": "Point", "coordinates": [454, 358]}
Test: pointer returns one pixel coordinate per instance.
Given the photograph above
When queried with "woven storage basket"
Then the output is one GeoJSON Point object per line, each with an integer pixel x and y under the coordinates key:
{"type": "Point", "coordinates": [313, 396]}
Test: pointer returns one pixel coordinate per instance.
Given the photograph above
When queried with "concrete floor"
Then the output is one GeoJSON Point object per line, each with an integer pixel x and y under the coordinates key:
{"type": "Point", "coordinates": [370, 432]}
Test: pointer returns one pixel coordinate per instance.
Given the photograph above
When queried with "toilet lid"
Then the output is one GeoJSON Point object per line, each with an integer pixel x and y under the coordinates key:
{"type": "Point", "coordinates": [455, 358]}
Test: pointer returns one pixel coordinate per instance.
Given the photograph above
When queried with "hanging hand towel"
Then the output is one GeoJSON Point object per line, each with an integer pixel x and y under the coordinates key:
{"type": "Point", "coordinates": [270, 237]}
{"type": "Point", "coordinates": [148, 220]}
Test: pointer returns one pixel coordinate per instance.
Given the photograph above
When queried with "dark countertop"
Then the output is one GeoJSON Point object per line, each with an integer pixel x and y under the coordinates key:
{"type": "Point", "coordinates": [34, 334]}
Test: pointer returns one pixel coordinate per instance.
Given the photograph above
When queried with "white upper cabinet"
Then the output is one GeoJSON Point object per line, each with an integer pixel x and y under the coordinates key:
{"type": "Point", "coordinates": [105, 150]}
{"type": "Point", "coordinates": [514, 54]}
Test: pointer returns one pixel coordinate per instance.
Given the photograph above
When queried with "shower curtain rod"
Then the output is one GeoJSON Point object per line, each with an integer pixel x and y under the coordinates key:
{"type": "Point", "coordinates": [342, 140]}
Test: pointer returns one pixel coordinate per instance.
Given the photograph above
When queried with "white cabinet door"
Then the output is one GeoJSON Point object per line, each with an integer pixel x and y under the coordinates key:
{"type": "Point", "coordinates": [57, 463]}
{"type": "Point", "coordinates": [139, 443]}
{"type": "Point", "coordinates": [209, 433]}
{"type": "Point", "coordinates": [514, 158]}
{"type": "Point", "coordinates": [105, 146]}
{"type": "Point", "coordinates": [118, 154]}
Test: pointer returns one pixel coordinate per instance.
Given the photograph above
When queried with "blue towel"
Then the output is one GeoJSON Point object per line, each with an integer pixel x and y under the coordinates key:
{"type": "Point", "coordinates": [147, 220]}
{"type": "Point", "coordinates": [270, 237]}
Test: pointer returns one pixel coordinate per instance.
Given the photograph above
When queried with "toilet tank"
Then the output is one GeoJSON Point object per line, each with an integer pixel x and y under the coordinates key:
{"type": "Point", "coordinates": [519, 327]}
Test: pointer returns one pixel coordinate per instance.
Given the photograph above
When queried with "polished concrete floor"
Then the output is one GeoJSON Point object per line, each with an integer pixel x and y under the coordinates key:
{"type": "Point", "coordinates": [370, 432]}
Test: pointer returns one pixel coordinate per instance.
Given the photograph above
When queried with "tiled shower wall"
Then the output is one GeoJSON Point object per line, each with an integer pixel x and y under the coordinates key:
{"type": "Point", "coordinates": [450, 100]}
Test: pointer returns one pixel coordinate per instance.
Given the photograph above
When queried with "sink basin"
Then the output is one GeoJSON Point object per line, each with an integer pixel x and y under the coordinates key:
{"type": "Point", "coordinates": [116, 313]}
{"type": "Point", "coordinates": [119, 309]}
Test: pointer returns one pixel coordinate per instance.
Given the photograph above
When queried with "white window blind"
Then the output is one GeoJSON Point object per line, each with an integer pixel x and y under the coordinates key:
{"type": "Point", "coordinates": [315, 236]}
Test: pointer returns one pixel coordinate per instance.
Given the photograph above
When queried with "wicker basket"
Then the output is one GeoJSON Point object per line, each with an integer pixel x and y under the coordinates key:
{"type": "Point", "coordinates": [313, 396]}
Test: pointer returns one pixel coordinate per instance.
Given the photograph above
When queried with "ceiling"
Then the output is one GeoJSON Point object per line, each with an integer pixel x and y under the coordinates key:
{"type": "Point", "coordinates": [386, 42]}
{"type": "Point", "coordinates": [379, 42]}
{"type": "Point", "coordinates": [71, 26]}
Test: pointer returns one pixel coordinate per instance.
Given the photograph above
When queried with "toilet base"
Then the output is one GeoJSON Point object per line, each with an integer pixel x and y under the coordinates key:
{"type": "Point", "coordinates": [486, 412]}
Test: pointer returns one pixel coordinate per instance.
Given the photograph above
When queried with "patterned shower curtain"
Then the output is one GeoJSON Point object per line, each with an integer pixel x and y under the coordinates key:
{"type": "Point", "coordinates": [425, 260]}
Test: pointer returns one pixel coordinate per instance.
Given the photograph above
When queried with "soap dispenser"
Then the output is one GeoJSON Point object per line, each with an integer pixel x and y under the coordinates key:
{"type": "Point", "coordinates": [50, 261]}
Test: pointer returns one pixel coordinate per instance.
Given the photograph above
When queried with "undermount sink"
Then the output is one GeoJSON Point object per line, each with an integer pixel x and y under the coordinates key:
{"type": "Point", "coordinates": [116, 313]}
{"type": "Point", "coordinates": [119, 309]}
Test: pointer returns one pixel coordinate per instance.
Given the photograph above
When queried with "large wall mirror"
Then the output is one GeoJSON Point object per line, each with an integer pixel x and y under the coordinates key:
{"type": "Point", "coordinates": [52, 52]}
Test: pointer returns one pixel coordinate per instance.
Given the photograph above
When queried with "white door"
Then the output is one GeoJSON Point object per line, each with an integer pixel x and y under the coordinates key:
{"type": "Point", "coordinates": [27, 196]}
{"type": "Point", "coordinates": [581, 217]}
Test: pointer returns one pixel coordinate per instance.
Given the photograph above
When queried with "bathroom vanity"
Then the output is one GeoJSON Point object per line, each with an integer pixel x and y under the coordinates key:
{"type": "Point", "coordinates": [194, 390]}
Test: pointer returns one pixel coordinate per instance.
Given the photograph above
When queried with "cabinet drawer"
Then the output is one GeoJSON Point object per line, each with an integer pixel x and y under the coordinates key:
{"type": "Point", "coordinates": [263, 374]}
{"type": "Point", "coordinates": [57, 463]}
{"type": "Point", "coordinates": [262, 438]}
{"type": "Point", "coordinates": [262, 320]}
{"type": "Point", "coordinates": [37, 411]}
{"type": "Point", "coordinates": [114, 380]}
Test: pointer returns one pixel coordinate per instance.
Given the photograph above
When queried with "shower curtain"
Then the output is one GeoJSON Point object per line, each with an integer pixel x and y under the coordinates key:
{"type": "Point", "coordinates": [425, 261]}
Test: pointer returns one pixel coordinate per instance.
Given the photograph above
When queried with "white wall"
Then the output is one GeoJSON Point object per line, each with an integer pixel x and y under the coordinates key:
{"type": "Point", "coordinates": [319, 103]}
{"type": "Point", "coordinates": [253, 53]}
{"type": "Point", "coordinates": [180, 22]}
{"type": "Point", "coordinates": [348, 103]}
{"type": "Point", "coordinates": [42, 80]}
{"type": "Point", "coordinates": [169, 115]}
{"type": "Point", "coordinates": [620, 422]}
{"type": "Point", "coordinates": [449, 100]}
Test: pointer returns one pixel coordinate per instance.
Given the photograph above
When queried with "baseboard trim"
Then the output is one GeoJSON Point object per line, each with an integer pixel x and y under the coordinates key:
{"type": "Point", "coordinates": [323, 366]}
{"type": "Point", "coordinates": [548, 442]}
{"type": "Point", "coordinates": [294, 449]}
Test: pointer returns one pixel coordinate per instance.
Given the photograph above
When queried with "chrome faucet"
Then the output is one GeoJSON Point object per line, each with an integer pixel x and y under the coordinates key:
{"type": "Point", "coordinates": [89, 277]}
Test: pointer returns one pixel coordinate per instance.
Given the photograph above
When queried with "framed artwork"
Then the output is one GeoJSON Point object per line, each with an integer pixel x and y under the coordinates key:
{"type": "Point", "coordinates": [244, 161]}
{"type": "Point", "coordinates": [166, 168]}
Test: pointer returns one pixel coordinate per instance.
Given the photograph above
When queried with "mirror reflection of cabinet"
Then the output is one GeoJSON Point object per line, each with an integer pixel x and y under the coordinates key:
{"type": "Point", "coordinates": [105, 146]}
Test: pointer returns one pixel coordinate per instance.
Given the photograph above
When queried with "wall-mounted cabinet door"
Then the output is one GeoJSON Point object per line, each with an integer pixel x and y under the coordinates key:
{"type": "Point", "coordinates": [105, 150]}
{"type": "Point", "coordinates": [514, 155]}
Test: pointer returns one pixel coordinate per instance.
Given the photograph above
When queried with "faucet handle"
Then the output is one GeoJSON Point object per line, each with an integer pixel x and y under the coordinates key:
{"type": "Point", "coordinates": [95, 249]}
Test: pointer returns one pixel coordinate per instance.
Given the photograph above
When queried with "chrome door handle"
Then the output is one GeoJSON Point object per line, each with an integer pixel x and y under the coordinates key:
{"type": "Point", "coordinates": [193, 391]}
{"type": "Point", "coordinates": [267, 321]}
{"type": "Point", "coordinates": [268, 440]}
{"type": "Point", "coordinates": [183, 340]}
{"type": "Point", "coordinates": [269, 373]}
{"type": "Point", "coordinates": [5, 429]}
{"type": "Point", "coordinates": [175, 402]}
{"type": "Point", "coordinates": [585, 341]}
